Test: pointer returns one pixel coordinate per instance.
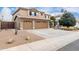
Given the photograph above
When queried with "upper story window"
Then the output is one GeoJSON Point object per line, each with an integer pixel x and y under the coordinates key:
{"type": "Point", "coordinates": [45, 16]}
{"type": "Point", "coordinates": [41, 14]}
{"type": "Point", "coordinates": [37, 13]}
{"type": "Point", "coordinates": [49, 17]}
{"type": "Point", "coordinates": [32, 13]}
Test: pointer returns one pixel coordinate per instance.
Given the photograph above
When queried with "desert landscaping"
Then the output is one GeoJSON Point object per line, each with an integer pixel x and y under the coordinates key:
{"type": "Point", "coordinates": [23, 37]}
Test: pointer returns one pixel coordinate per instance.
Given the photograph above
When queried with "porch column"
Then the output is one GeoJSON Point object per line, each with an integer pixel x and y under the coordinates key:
{"type": "Point", "coordinates": [21, 25]}
{"type": "Point", "coordinates": [28, 12]}
{"type": "Point", "coordinates": [33, 24]}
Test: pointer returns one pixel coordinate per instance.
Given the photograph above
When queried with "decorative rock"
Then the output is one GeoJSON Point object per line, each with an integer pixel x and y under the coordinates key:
{"type": "Point", "coordinates": [28, 38]}
{"type": "Point", "coordinates": [10, 41]}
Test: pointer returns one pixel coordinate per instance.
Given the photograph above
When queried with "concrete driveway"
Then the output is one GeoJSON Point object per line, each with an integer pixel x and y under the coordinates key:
{"type": "Point", "coordinates": [50, 33]}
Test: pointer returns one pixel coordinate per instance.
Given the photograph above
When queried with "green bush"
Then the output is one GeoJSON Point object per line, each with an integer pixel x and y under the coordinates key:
{"type": "Point", "coordinates": [70, 28]}
{"type": "Point", "coordinates": [67, 19]}
{"type": "Point", "coordinates": [53, 20]}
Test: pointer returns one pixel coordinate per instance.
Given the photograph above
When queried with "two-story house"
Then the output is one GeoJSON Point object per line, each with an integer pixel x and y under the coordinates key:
{"type": "Point", "coordinates": [30, 18]}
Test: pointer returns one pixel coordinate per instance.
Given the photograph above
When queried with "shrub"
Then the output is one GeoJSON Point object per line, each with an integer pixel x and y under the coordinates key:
{"type": "Point", "coordinates": [67, 19]}
{"type": "Point", "coordinates": [53, 20]}
{"type": "Point", "coordinates": [28, 38]}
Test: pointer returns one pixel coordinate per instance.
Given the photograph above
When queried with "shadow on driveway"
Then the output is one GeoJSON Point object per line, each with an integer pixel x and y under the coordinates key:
{"type": "Point", "coordinates": [74, 46]}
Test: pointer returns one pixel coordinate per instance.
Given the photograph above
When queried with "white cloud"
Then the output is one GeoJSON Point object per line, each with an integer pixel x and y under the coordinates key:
{"type": "Point", "coordinates": [72, 9]}
{"type": "Point", "coordinates": [6, 14]}
{"type": "Point", "coordinates": [0, 17]}
{"type": "Point", "coordinates": [56, 13]}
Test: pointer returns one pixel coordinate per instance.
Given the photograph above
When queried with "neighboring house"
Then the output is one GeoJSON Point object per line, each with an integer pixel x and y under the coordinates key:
{"type": "Point", "coordinates": [57, 17]}
{"type": "Point", "coordinates": [30, 18]}
{"type": "Point", "coordinates": [77, 23]}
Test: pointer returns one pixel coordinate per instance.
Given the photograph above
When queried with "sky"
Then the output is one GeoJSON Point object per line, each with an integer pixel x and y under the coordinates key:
{"type": "Point", "coordinates": [57, 10]}
{"type": "Point", "coordinates": [7, 12]}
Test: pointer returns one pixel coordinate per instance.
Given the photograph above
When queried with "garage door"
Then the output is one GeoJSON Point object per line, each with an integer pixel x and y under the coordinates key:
{"type": "Point", "coordinates": [27, 25]}
{"type": "Point", "coordinates": [41, 24]}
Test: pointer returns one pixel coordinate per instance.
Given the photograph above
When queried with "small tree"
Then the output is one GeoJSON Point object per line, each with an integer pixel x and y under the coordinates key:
{"type": "Point", "coordinates": [53, 21]}
{"type": "Point", "coordinates": [67, 19]}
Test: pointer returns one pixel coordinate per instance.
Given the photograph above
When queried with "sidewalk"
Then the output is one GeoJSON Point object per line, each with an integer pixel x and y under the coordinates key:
{"type": "Point", "coordinates": [50, 44]}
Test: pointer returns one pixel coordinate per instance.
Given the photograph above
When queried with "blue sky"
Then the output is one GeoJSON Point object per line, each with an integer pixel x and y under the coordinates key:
{"type": "Point", "coordinates": [53, 10]}
{"type": "Point", "coordinates": [57, 10]}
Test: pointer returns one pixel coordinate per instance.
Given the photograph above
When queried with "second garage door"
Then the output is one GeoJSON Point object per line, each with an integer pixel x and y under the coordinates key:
{"type": "Point", "coordinates": [41, 24]}
{"type": "Point", "coordinates": [27, 25]}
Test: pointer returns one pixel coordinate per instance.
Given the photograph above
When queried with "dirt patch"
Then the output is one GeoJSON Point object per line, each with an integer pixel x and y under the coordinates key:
{"type": "Point", "coordinates": [18, 39]}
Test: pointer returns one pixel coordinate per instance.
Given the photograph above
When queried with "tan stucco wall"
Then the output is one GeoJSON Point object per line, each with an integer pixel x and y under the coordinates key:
{"type": "Point", "coordinates": [25, 13]}
{"type": "Point", "coordinates": [17, 23]}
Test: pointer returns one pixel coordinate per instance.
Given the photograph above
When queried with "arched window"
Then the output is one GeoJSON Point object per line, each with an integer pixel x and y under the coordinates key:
{"type": "Point", "coordinates": [45, 16]}
{"type": "Point", "coordinates": [30, 13]}
{"type": "Point", "coordinates": [35, 14]}
{"type": "Point", "coordinates": [41, 14]}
